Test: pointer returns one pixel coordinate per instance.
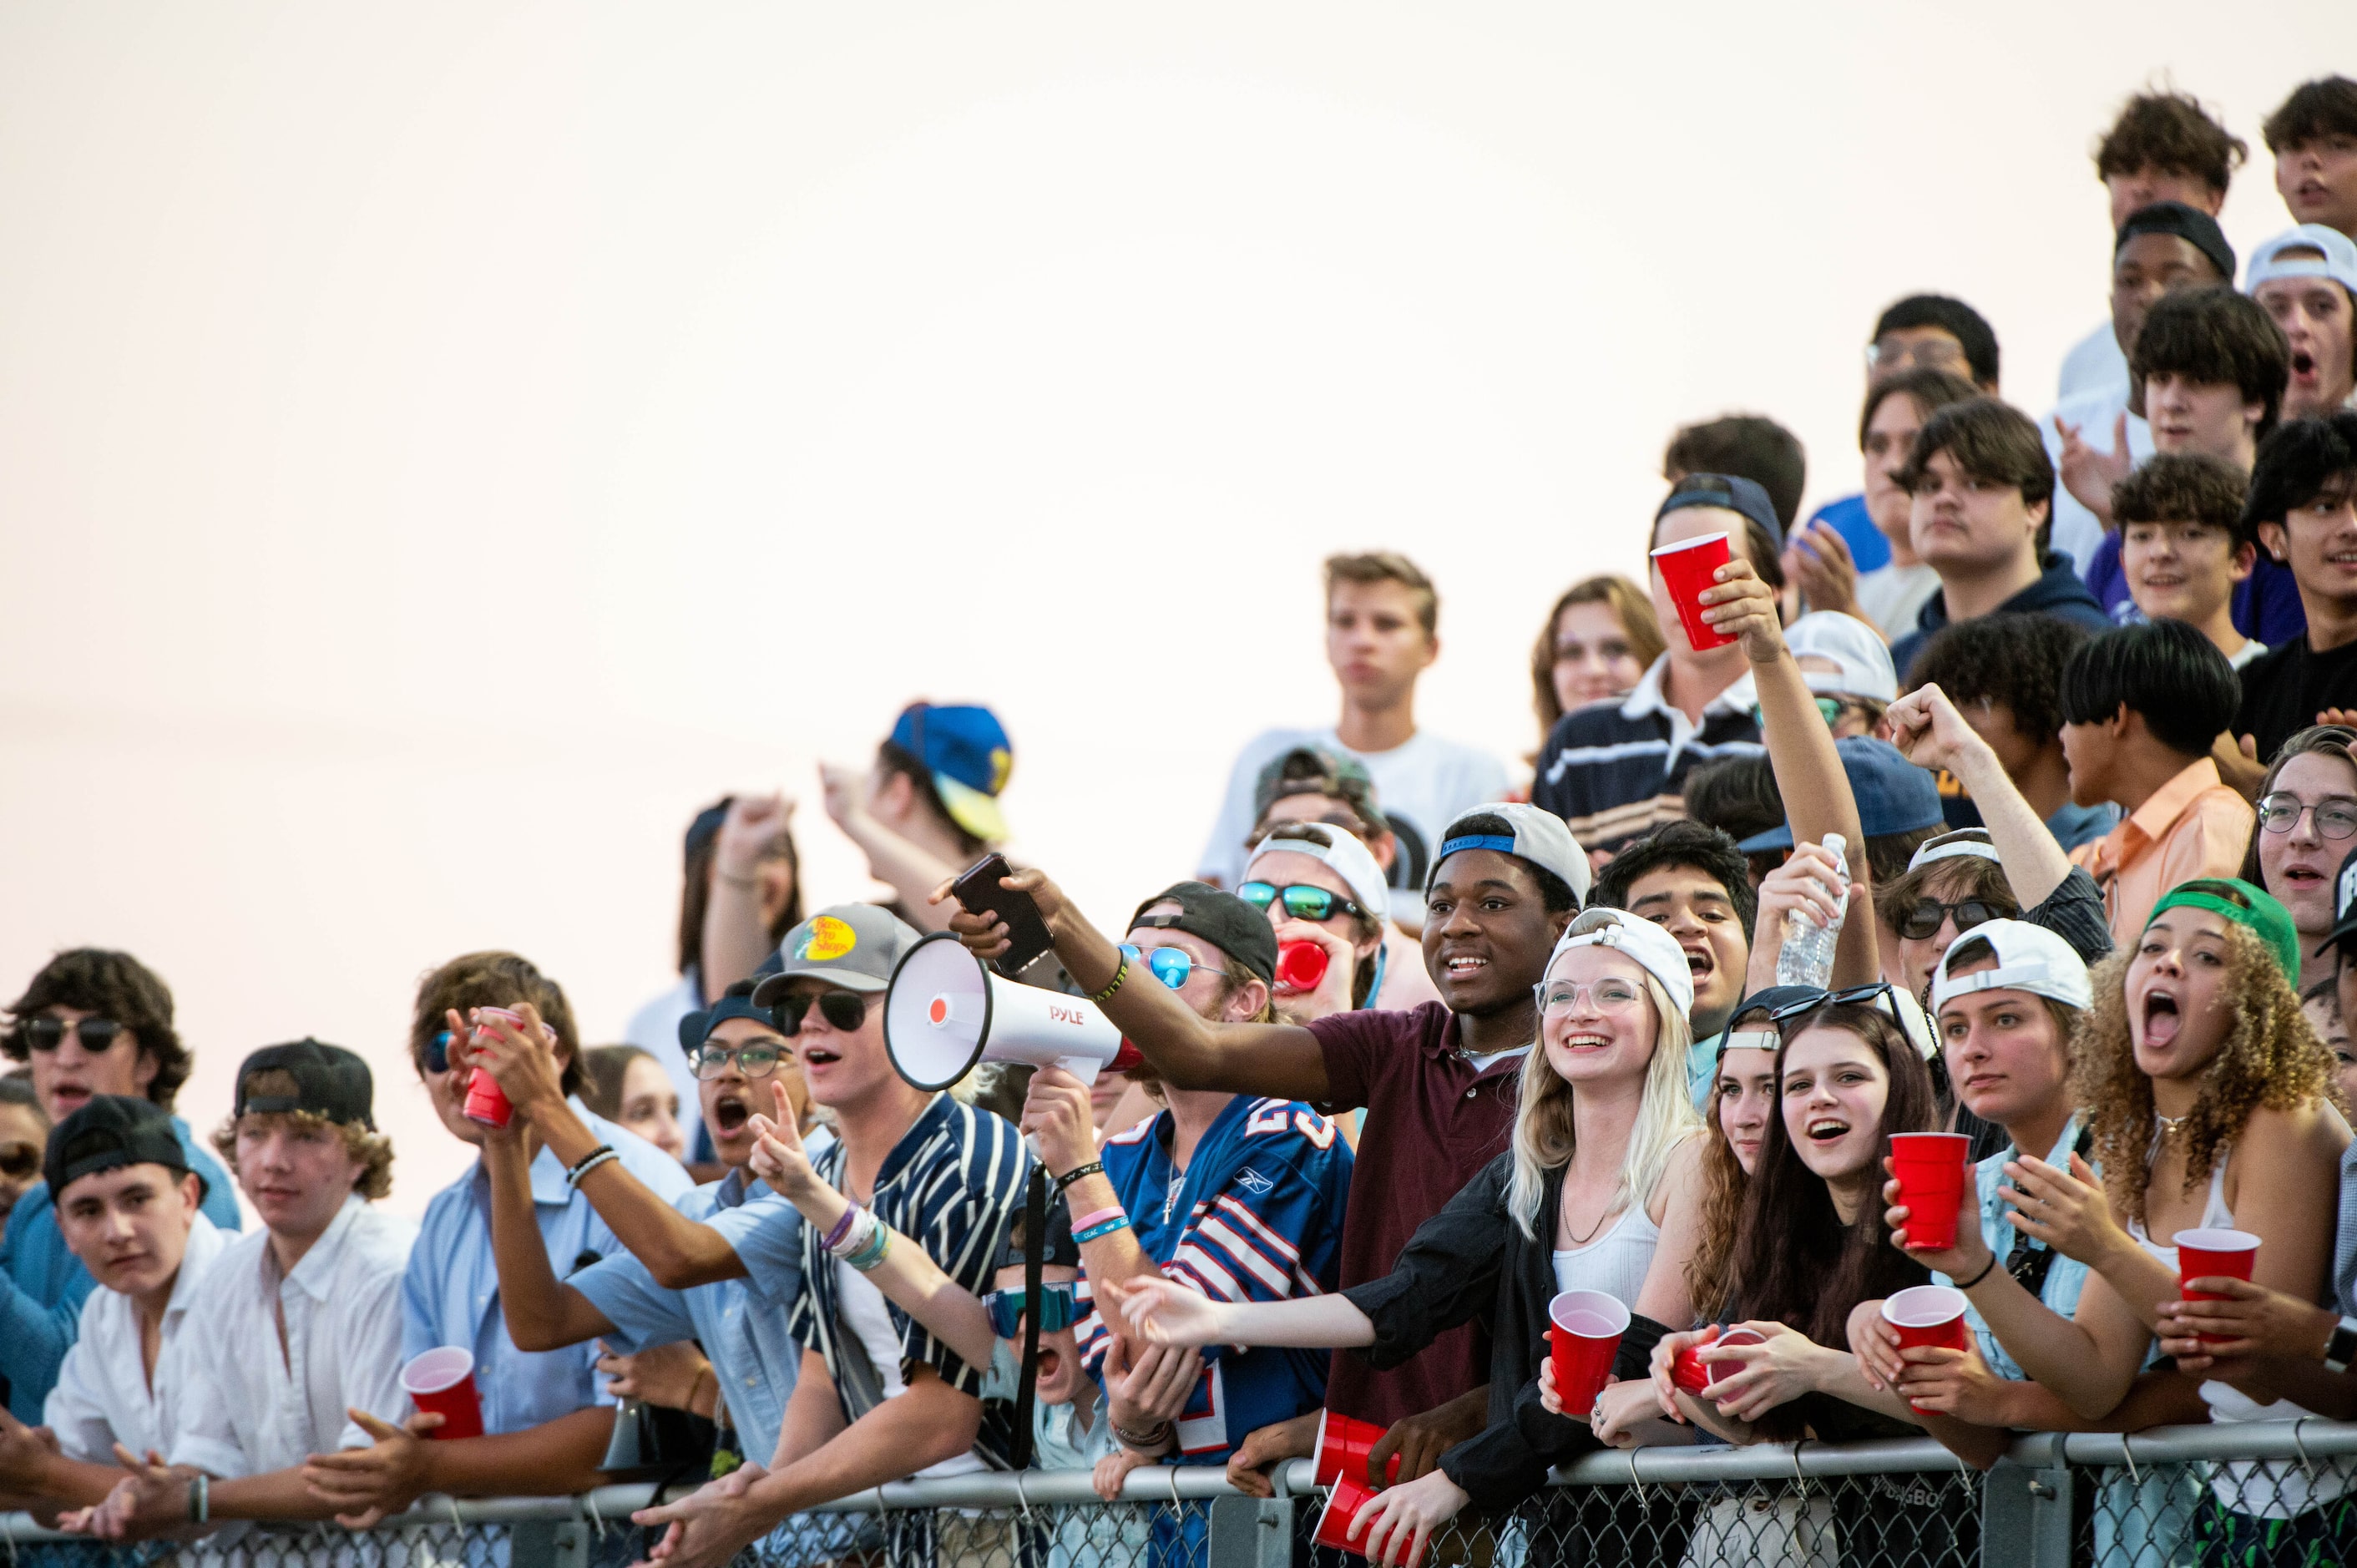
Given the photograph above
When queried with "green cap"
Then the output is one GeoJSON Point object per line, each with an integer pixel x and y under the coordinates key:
{"type": "Point", "coordinates": [2246, 905]}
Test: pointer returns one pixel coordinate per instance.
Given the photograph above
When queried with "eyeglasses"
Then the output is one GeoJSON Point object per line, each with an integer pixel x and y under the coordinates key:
{"type": "Point", "coordinates": [1059, 1308]}
{"type": "Point", "coordinates": [1924, 920]}
{"type": "Point", "coordinates": [2336, 815]}
{"type": "Point", "coordinates": [97, 1035]}
{"type": "Point", "coordinates": [19, 1159]}
{"type": "Point", "coordinates": [844, 1010]}
{"type": "Point", "coordinates": [1172, 966]}
{"type": "Point", "coordinates": [1855, 995]}
{"type": "Point", "coordinates": [755, 1058]}
{"type": "Point", "coordinates": [1891, 355]}
{"type": "Point", "coordinates": [1302, 901]}
{"type": "Point", "coordinates": [1607, 997]}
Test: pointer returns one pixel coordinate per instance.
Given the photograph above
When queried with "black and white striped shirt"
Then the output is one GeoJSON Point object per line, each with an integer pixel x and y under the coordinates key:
{"type": "Point", "coordinates": [1613, 772]}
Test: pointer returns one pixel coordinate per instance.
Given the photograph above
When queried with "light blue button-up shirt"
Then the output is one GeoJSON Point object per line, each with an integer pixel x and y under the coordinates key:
{"type": "Point", "coordinates": [451, 1292]}
{"type": "Point", "coordinates": [2064, 1280]}
{"type": "Point", "coordinates": [753, 1356]}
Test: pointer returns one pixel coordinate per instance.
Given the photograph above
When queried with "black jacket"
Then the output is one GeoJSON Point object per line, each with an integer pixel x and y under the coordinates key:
{"type": "Point", "coordinates": [1470, 1260]}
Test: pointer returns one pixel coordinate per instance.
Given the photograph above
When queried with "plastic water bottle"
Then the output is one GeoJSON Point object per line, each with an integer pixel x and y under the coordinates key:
{"type": "Point", "coordinates": [1807, 955]}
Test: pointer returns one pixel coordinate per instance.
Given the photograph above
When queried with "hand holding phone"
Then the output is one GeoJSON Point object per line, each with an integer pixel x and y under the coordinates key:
{"type": "Point", "coordinates": [977, 891]}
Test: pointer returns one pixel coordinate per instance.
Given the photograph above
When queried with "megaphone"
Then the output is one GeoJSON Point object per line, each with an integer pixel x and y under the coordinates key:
{"type": "Point", "coordinates": [945, 1012]}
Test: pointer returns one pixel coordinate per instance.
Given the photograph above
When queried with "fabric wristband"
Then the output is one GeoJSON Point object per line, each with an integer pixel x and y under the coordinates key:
{"type": "Point", "coordinates": [841, 1227]}
{"type": "Point", "coordinates": [1112, 985]}
{"type": "Point", "coordinates": [1094, 1168]}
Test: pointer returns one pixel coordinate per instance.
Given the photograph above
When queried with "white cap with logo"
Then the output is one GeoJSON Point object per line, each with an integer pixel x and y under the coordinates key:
{"type": "Point", "coordinates": [2028, 957]}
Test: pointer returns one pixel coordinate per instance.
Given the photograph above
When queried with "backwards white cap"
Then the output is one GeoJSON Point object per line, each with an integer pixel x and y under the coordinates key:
{"type": "Point", "coordinates": [1338, 848]}
{"type": "Point", "coordinates": [1653, 949]}
{"type": "Point", "coordinates": [1849, 642]}
{"type": "Point", "coordinates": [1965, 843]}
{"type": "Point", "coordinates": [2028, 957]}
{"type": "Point", "coordinates": [2335, 258]}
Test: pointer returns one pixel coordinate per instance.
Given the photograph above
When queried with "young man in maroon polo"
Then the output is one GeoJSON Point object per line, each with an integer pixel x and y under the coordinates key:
{"type": "Point", "coordinates": [1437, 1083]}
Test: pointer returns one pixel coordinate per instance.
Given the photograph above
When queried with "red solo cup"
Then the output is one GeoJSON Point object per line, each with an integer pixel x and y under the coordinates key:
{"type": "Point", "coordinates": [1686, 570]}
{"type": "Point", "coordinates": [1688, 1372]}
{"type": "Point", "coordinates": [2202, 1254]}
{"type": "Point", "coordinates": [1345, 1444]}
{"type": "Point", "coordinates": [1301, 965]}
{"type": "Point", "coordinates": [1928, 1314]}
{"type": "Point", "coordinates": [486, 1102]}
{"type": "Point", "coordinates": [1342, 1505]}
{"type": "Point", "coordinates": [1586, 1336]}
{"type": "Point", "coordinates": [1719, 1369]}
{"type": "Point", "coordinates": [441, 1382]}
{"type": "Point", "coordinates": [1930, 1168]}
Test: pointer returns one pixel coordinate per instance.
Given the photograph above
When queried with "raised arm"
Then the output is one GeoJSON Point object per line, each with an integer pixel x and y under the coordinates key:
{"type": "Point", "coordinates": [1282, 1061]}
{"type": "Point", "coordinates": [1926, 727]}
{"type": "Point", "coordinates": [735, 938]}
{"type": "Point", "coordinates": [909, 869]}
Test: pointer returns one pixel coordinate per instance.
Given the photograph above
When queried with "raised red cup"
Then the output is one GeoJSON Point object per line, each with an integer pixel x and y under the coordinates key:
{"type": "Point", "coordinates": [1342, 1505]}
{"type": "Point", "coordinates": [1585, 1335]}
{"type": "Point", "coordinates": [487, 1102]}
{"type": "Point", "coordinates": [1686, 570]}
{"type": "Point", "coordinates": [1928, 1315]}
{"type": "Point", "coordinates": [1301, 965]}
{"type": "Point", "coordinates": [441, 1381]}
{"type": "Point", "coordinates": [1345, 1444]}
{"type": "Point", "coordinates": [2204, 1254]}
{"type": "Point", "coordinates": [1931, 1168]}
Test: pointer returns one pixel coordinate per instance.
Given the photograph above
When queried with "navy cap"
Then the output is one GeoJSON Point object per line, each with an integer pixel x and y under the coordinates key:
{"type": "Point", "coordinates": [1732, 491]}
{"type": "Point", "coordinates": [966, 751]}
{"type": "Point", "coordinates": [1056, 1248]}
{"type": "Point", "coordinates": [329, 1081]}
{"type": "Point", "coordinates": [108, 1132]}
{"type": "Point", "coordinates": [738, 1003]}
{"type": "Point", "coordinates": [2190, 224]}
{"type": "Point", "coordinates": [1894, 796]}
{"type": "Point", "coordinates": [706, 826]}
{"type": "Point", "coordinates": [1220, 919]}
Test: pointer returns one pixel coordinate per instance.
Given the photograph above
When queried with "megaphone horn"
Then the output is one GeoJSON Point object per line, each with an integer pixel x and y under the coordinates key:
{"type": "Point", "coordinates": [944, 1013]}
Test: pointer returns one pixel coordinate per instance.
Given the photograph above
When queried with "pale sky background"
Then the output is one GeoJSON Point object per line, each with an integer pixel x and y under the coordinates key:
{"type": "Point", "coordinates": [442, 445]}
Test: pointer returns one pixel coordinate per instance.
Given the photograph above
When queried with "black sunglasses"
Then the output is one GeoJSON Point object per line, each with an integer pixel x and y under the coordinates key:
{"type": "Point", "coordinates": [97, 1035]}
{"type": "Point", "coordinates": [1923, 920]}
{"type": "Point", "coordinates": [845, 1009]}
{"type": "Point", "coordinates": [1855, 995]}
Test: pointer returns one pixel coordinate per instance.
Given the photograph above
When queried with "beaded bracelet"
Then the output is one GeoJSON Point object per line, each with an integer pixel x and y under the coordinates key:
{"type": "Point", "coordinates": [1118, 1222]}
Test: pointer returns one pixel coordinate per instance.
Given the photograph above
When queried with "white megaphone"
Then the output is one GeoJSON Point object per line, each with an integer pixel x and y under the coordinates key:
{"type": "Point", "coordinates": [945, 1012]}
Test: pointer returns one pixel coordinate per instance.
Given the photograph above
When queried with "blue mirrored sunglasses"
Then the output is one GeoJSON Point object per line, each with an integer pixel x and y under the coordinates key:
{"type": "Point", "coordinates": [1172, 966]}
{"type": "Point", "coordinates": [437, 1052]}
{"type": "Point", "coordinates": [1059, 1308]}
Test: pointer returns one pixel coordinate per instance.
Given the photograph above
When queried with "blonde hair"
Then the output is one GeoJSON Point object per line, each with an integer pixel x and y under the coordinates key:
{"type": "Point", "coordinates": [1544, 1139]}
{"type": "Point", "coordinates": [371, 1151]}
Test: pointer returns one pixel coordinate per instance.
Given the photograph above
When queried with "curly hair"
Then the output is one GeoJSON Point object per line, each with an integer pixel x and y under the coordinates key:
{"type": "Point", "coordinates": [2271, 1057]}
{"type": "Point", "coordinates": [2015, 659]}
{"type": "Point", "coordinates": [2183, 487]}
{"type": "Point", "coordinates": [372, 1150]}
{"type": "Point", "coordinates": [2172, 133]}
{"type": "Point", "coordinates": [111, 985]}
{"type": "Point", "coordinates": [1679, 844]}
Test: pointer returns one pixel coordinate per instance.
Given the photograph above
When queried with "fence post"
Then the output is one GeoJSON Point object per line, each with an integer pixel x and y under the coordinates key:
{"type": "Point", "coordinates": [548, 1543]}
{"type": "Point", "coordinates": [1250, 1532]}
{"type": "Point", "coordinates": [2026, 1507]}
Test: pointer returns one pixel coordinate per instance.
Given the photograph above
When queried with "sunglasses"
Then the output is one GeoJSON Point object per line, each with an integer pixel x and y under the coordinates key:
{"type": "Point", "coordinates": [1923, 920]}
{"type": "Point", "coordinates": [97, 1035]}
{"type": "Point", "coordinates": [845, 1010]}
{"type": "Point", "coordinates": [754, 1058]}
{"type": "Point", "coordinates": [1059, 1308]}
{"type": "Point", "coordinates": [1302, 901]}
{"type": "Point", "coordinates": [19, 1159]}
{"type": "Point", "coordinates": [1172, 966]}
{"type": "Point", "coordinates": [437, 1052]}
{"type": "Point", "coordinates": [1829, 708]}
{"type": "Point", "coordinates": [1854, 996]}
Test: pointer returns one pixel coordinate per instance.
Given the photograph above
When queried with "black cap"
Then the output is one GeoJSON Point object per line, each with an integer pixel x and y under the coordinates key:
{"type": "Point", "coordinates": [2344, 906]}
{"type": "Point", "coordinates": [1731, 491]}
{"type": "Point", "coordinates": [2190, 224]}
{"type": "Point", "coordinates": [1223, 919]}
{"type": "Point", "coordinates": [329, 1081]}
{"type": "Point", "coordinates": [707, 824]}
{"type": "Point", "coordinates": [1056, 1248]}
{"type": "Point", "coordinates": [110, 1130]}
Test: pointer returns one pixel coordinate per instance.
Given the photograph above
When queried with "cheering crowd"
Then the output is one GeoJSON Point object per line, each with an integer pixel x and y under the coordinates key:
{"type": "Point", "coordinates": [2045, 735]}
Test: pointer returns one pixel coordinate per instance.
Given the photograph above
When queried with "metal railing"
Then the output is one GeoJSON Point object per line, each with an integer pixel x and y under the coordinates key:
{"type": "Point", "coordinates": [2258, 1494]}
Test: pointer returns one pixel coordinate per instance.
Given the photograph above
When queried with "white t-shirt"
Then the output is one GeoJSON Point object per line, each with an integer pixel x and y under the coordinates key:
{"type": "Point", "coordinates": [2077, 530]}
{"type": "Point", "coordinates": [865, 1314]}
{"type": "Point", "coordinates": [1422, 784]}
{"type": "Point", "coordinates": [2094, 364]}
{"type": "Point", "coordinates": [1892, 597]}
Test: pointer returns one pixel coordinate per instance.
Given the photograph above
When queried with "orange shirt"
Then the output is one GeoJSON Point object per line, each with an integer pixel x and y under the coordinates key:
{"type": "Point", "coordinates": [2192, 826]}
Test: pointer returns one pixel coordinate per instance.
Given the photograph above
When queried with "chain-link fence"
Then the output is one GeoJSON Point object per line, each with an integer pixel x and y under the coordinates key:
{"type": "Point", "coordinates": [2263, 1495]}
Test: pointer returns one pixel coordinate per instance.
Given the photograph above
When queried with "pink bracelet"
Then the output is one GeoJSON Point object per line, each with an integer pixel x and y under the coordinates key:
{"type": "Point", "coordinates": [1100, 1217]}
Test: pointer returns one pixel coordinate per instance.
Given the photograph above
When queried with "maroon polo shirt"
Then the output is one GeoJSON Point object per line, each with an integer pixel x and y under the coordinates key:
{"type": "Point", "coordinates": [1432, 1124]}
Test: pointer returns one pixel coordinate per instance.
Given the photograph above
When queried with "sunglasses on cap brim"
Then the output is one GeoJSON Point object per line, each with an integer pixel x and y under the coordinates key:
{"type": "Point", "coordinates": [1855, 996]}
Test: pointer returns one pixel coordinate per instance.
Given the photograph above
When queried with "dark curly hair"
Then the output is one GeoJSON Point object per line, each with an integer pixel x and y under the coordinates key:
{"type": "Point", "coordinates": [113, 985]}
{"type": "Point", "coordinates": [1678, 843]}
{"type": "Point", "coordinates": [2016, 659]}
{"type": "Point", "coordinates": [2183, 487]}
{"type": "Point", "coordinates": [2216, 334]}
{"type": "Point", "coordinates": [494, 979]}
{"type": "Point", "coordinates": [2170, 132]}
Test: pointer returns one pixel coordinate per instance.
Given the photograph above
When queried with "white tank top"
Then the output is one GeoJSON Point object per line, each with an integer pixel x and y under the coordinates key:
{"type": "Point", "coordinates": [2215, 1215]}
{"type": "Point", "coordinates": [1616, 1261]}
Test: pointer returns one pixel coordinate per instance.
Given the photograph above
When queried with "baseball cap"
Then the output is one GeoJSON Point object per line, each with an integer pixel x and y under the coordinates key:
{"type": "Point", "coordinates": [1965, 843]}
{"type": "Point", "coordinates": [2028, 957]}
{"type": "Point", "coordinates": [855, 945]}
{"type": "Point", "coordinates": [1537, 836]}
{"type": "Point", "coordinates": [1864, 658]}
{"type": "Point", "coordinates": [2188, 223]}
{"type": "Point", "coordinates": [2336, 258]}
{"type": "Point", "coordinates": [2248, 906]}
{"type": "Point", "coordinates": [1894, 796]}
{"type": "Point", "coordinates": [1731, 491]}
{"type": "Point", "coordinates": [1220, 919]}
{"type": "Point", "coordinates": [696, 1026]}
{"type": "Point", "coordinates": [1338, 848]}
{"type": "Point", "coordinates": [1763, 1035]}
{"type": "Point", "coordinates": [707, 825]}
{"type": "Point", "coordinates": [966, 752]}
{"type": "Point", "coordinates": [108, 1132]}
{"type": "Point", "coordinates": [329, 1081]}
{"type": "Point", "coordinates": [2344, 906]}
{"type": "Point", "coordinates": [1056, 1245]}
{"type": "Point", "coordinates": [1313, 770]}
{"type": "Point", "coordinates": [1652, 948]}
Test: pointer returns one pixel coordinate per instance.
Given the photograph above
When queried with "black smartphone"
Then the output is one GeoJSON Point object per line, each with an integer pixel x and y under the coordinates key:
{"type": "Point", "coordinates": [1027, 933]}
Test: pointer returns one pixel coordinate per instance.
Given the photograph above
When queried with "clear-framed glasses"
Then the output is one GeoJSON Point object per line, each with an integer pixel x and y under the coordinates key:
{"type": "Point", "coordinates": [2336, 815]}
{"type": "Point", "coordinates": [1610, 996]}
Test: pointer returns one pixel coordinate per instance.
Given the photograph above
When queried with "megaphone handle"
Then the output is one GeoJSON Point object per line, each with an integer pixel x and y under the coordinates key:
{"type": "Point", "coordinates": [1082, 1068]}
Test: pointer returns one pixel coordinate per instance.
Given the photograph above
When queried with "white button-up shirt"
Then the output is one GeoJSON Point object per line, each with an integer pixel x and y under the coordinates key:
{"type": "Point", "coordinates": [105, 1394]}
{"type": "Point", "coordinates": [247, 1407]}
